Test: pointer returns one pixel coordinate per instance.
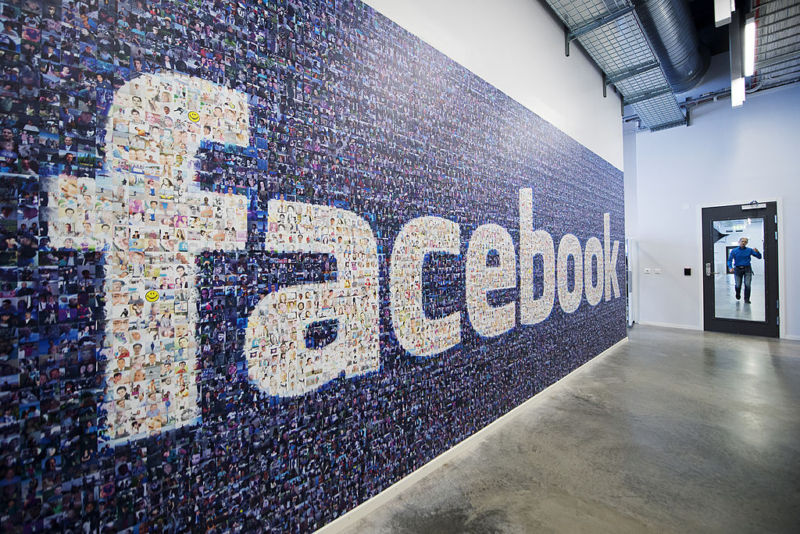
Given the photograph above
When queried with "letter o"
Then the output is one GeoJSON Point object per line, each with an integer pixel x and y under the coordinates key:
{"type": "Point", "coordinates": [594, 292]}
{"type": "Point", "coordinates": [569, 300]}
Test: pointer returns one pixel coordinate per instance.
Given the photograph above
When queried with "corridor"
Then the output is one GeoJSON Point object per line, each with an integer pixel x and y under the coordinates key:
{"type": "Point", "coordinates": [671, 431]}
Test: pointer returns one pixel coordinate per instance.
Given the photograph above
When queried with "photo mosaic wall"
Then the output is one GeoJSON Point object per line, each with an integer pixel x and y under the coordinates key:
{"type": "Point", "coordinates": [260, 260]}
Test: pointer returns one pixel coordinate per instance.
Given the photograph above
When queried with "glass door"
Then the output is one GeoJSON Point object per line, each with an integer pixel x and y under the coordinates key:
{"type": "Point", "coordinates": [740, 264]}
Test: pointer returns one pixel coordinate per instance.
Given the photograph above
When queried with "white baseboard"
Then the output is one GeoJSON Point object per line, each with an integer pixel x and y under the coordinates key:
{"type": "Point", "coordinates": [787, 337]}
{"type": "Point", "coordinates": [671, 325]}
{"type": "Point", "coordinates": [344, 523]}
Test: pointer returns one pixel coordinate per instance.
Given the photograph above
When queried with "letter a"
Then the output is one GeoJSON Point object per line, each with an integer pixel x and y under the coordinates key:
{"type": "Point", "coordinates": [278, 359]}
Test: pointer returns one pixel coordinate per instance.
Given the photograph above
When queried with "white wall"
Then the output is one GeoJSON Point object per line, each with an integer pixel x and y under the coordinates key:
{"type": "Point", "coordinates": [727, 156]}
{"type": "Point", "coordinates": [517, 46]}
{"type": "Point", "coordinates": [631, 222]}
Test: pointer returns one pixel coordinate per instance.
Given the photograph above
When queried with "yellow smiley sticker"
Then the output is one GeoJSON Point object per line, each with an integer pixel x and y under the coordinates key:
{"type": "Point", "coordinates": [194, 116]}
{"type": "Point", "coordinates": [151, 296]}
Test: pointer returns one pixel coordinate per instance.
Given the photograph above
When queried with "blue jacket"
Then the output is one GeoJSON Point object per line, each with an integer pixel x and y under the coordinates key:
{"type": "Point", "coordinates": [741, 256]}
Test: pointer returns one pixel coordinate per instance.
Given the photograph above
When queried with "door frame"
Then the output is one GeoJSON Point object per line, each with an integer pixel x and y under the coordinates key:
{"type": "Point", "coordinates": [781, 257]}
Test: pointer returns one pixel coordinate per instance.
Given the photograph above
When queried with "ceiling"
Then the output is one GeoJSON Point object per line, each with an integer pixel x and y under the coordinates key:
{"type": "Point", "coordinates": [777, 43]}
{"type": "Point", "coordinates": [642, 45]}
{"type": "Point", "coordinates": [777, 39]}
{"type": "Point", "coordinates": [713, 38]}
{"type": "Point", "coordinates": [777, 61]}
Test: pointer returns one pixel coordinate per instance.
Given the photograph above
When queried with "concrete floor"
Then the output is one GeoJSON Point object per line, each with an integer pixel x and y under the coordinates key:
{"type": "Point", "coordinates": [726, 305]}
{"type": "Point", "coordinates": [672, 431]}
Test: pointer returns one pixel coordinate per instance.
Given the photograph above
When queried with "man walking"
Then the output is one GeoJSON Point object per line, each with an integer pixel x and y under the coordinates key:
{"type": "Point", "coordinates": [739, 261]}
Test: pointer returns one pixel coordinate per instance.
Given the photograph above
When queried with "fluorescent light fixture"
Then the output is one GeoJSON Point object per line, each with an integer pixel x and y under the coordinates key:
{"type": "Point", "coordinates": [737, 92]}
{"type": "Point", "coordinates": [750, 46]}
{"type": "Point", "coordinates": [722, 12]}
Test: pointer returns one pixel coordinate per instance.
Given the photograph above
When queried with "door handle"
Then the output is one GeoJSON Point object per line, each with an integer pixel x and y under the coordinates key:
{"type": "Point", "coordinates": [708, 269]}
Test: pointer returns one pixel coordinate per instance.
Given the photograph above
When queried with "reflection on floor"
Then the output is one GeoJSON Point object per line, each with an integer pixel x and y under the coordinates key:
{"type": "Point", "coordinates": [726, 305]}
{"type": "Point", "coordinates": [673, 431]}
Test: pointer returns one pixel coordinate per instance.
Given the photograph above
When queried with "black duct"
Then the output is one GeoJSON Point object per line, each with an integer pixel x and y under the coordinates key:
{"type": "Point", "coordinates": [670, 29]}
{"type": "Point", "coordinates": [716, 235]}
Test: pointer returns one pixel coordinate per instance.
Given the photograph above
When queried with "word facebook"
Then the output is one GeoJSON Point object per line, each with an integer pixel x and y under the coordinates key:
{"type": "Point", "coordinates": [151, 241]}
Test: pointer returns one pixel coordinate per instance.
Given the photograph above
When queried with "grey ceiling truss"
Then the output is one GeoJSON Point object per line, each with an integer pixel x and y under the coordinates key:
{"type": "Point", "coordinates": [613, 34]}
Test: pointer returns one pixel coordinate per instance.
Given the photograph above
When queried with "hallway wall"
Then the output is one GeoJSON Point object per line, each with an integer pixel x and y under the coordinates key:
{"type": "Point", "coordinates": [727, 156]}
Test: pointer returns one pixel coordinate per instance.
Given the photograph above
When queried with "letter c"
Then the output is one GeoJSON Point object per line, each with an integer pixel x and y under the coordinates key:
{"type": "Point", "coordinates": [416, 333]}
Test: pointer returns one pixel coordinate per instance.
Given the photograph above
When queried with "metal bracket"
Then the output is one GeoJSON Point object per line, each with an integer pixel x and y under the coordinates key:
{"type": "Point", "coordinates": [641, 97]}
{"type": "Point", "coordinates": [566, 40]}
{"type": "Point", "coordinates": [631, 72]}
{"type": "Point", "coordinates": [599, 21]}
{"type": "Point", "coordinates": [669, 125]}
{"type": "Point", "coordinates": [592, 25]}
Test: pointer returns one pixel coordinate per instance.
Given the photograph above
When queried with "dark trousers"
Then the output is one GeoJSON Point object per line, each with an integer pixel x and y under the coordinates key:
{"type": "Point", "coordinates": [744, 274]}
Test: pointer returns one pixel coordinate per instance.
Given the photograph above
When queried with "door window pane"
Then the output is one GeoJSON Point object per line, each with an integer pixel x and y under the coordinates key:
{"type": "Point", "coordinates": [726, 305]}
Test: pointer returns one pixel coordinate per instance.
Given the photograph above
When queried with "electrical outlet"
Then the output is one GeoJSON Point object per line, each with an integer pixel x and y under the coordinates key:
{"type": "Point", "coordinates": [647, 270]}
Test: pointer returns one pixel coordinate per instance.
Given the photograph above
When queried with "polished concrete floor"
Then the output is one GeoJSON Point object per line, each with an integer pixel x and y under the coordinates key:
{"type": "Point", "coordinates": [672, 431]}
{"type": "Point", "coordinates": [726, 305]}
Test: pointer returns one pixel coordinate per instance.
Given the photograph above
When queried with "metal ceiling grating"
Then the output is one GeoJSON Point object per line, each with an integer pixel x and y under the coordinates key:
{"type": "Point", "coordinates": [642, 82]}
{"type": "Point", "coordinates": [576, 14]}
{"type": "Point", "coordinates": [617, 45]}
{"type": "Point", "coordinates": [778, 42]}
{"type": "Point", "coordinates": [612, 35]}
{"type": "Point", "coordinates": [660, 112]}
